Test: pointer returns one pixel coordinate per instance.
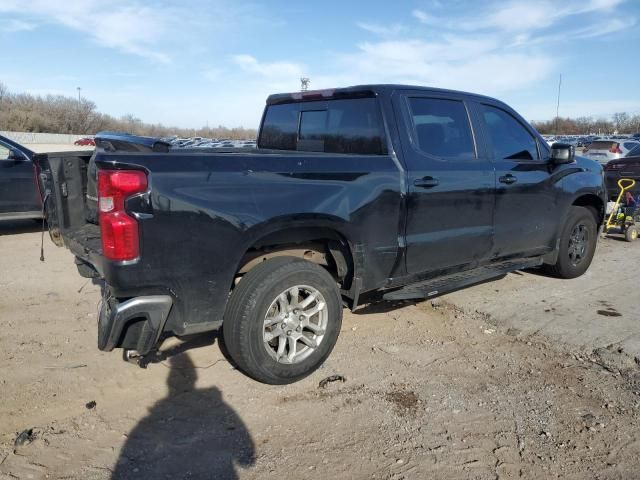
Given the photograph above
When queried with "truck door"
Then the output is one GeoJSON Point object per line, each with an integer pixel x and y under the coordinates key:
{"type": "Point", "coordinates": [450, 181]}
{"type": "Point", "coordinates": [526, 210]}
{"type": "Point", "coordinates": [18, 190]}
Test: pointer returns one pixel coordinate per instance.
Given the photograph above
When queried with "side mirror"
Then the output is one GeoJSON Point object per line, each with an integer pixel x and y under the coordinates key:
{"type": "Point", "coordinates": [562, 153]}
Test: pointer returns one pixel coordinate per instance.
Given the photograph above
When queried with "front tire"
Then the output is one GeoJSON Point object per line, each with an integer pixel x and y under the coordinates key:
{"type": "Point", "coordinates": [282, 320]}
{"type": "Point", "coordinates": [577, 244]}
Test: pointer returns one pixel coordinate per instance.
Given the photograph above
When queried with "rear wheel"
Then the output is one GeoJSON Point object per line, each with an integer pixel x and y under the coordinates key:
{"type": "Point", "coordinates": [577, 244]}
{"type": "Point", "coordinates": [631, 233]}
{"type": "Point", "coordinates": [283, 320]}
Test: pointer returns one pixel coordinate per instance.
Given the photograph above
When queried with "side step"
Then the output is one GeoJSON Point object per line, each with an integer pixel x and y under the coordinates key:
{"type": "Point", "coordinates": [441, 285]}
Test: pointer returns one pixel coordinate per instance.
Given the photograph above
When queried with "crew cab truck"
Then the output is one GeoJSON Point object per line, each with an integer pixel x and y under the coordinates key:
{"type": "Point", "coordinates": [400, 191]}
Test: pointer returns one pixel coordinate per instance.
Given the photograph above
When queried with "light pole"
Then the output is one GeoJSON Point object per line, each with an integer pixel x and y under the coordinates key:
{"type": "Point", "coordinates": [558, 104]}
{"type": "Point", "coordinates": [78, 88]}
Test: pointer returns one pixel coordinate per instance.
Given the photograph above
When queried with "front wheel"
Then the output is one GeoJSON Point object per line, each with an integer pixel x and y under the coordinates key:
{"type": "Point", "coordinates": [282, 320]}
{"type": "Point", "coordinates": [577, 244]}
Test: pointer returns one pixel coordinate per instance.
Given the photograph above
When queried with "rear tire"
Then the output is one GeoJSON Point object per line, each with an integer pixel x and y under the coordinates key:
{"type": "Point", "coordinates": [577, 244]}
{"type": "Point", "coordinates": [631, 233]}
{"type": "Point", "coordinates": [274, 304]}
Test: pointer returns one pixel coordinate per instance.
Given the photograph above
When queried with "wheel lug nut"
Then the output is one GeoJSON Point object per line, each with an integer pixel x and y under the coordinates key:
{"type": "Point", "coordinates": [283, 326]}
{"type": "Point", "coordinates": [289, 332]}
{"type": "Point", "coordinates": [301, 318]}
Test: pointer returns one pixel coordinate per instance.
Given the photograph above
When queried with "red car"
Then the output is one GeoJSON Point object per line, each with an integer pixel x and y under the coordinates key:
{"type": "Point", "coordinates": [87, 141]}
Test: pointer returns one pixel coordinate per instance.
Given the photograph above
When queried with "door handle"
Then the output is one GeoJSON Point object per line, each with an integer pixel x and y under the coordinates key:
{"type": "Point", "coordinates": [508, 179]}
{"type": "Point", "coordinates": [426, 182]}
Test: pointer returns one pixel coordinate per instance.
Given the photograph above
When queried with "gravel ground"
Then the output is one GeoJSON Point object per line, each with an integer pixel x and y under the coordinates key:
{"type": "Point", "coordinates": [443, 389]}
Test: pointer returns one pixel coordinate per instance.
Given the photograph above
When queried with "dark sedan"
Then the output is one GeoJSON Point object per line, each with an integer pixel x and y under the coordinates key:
{"type": "Point", "coordinates": [19, 194]}
{"type": "Point", "coordinates": [627, 167]}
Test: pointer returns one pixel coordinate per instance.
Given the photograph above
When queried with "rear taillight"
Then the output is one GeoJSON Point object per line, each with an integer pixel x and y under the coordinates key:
{"type": "Point", "coordinates": [615, 148]}
{"type": "Point", "coordinates": [119, 231]}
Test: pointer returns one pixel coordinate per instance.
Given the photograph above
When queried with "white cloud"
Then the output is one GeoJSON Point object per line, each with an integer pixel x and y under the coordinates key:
{"type": "Point", "coordinates": [127, 26]}
{"type": "Point", "coordinates": [421, 16]}
{"type": "Point", "coordinates": [271, 70]}
{"type": "Point", "coordinates": [382, 30]}
{"type": "Point", "coordinates": [525, 16]}
{"type": "Point", "coordinates": [456, 62]}
{"type": "Point", "coordinates": [15, 25]}
{"type": "Point", "coordinates": [612, 25]}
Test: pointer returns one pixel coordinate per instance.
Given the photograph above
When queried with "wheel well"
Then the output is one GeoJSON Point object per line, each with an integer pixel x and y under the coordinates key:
{"type": "Point", "coordinates": [322, 246]}
{"type": "Point", "coordinates": [593, 203]}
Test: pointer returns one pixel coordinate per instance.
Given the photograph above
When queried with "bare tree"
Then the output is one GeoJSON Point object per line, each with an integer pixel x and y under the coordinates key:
{"type": "Point", "coordinates": [620, 121]}
{"type": "Point", "coordinates": [4, 91]}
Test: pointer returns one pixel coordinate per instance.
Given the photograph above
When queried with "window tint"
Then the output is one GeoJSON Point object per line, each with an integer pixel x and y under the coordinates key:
{"type": "Point", "coordinates": [442, 127]}
{"type": "Point", "coordinates": [630, 145]}
{"type": "Point", "coordinates": [602, 145]}
{"type": "Point", "coordinates": [313, 128]}
{"type": "Point", "coordinates": [510, 139]}
{"type": "Point", "coordinates": [280, 127]}
{"type": "Point", "coordinates": [334, 126]}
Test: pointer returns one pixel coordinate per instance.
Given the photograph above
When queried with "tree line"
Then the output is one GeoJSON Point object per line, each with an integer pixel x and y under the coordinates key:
{"type": "Point", "coordinates": [23, 112]}
{"type": "Point", "coordinates": [620, 122]}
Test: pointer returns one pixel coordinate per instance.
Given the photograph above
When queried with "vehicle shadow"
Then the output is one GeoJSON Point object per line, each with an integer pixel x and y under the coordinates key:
{"type": "Point", "coordinates": [15, 227]}
{"type": "Point", "coordinates": [192, 433]}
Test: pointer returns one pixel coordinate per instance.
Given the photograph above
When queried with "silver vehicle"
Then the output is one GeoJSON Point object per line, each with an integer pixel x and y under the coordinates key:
{"type": "Point", "coordinates": [606, 150]}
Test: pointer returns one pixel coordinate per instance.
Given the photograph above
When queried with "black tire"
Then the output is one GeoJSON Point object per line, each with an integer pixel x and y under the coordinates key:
{"type": "Point", "coordinates": [244, 318]}
{"type": "Point", "coordinates": [567, 266]}
{"type": "Point", "coordinates": [631, 233]}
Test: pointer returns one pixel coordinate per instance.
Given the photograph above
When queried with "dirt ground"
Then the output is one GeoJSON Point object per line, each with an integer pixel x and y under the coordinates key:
{"type": "Point", "coordinates": [455, 388]}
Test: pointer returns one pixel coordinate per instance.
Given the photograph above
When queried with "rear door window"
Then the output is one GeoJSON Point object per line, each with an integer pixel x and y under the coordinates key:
{"type": "Point", "coordinates": [510, 139]}
{"type": "Point", "coordinates": [441, 128]}
{"type": "Point", "coordinates": [334, 126]}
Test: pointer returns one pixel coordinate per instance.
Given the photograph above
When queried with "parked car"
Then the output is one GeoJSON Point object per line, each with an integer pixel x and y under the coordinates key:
{"type": "Point", "coordinates": [19, 195]}
{"type": "Point", "coordinates": [627, 167]}
{"type": "Point", "coordinates": [604, 151]}
{"type": "Point", "coordinates": [87, 141]}
{"type": "Point", "coordinates": [388, 191]}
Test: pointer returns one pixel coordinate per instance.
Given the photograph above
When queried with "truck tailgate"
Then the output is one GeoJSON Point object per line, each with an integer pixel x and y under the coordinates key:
{"type": "Point", "coordinates": [62, 180]}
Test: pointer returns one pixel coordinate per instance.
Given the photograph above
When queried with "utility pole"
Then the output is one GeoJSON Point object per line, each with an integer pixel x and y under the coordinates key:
{"type": "Point", "coordinates": [558, 104]}
{"type": "Point", "coordinates": [78, 88]}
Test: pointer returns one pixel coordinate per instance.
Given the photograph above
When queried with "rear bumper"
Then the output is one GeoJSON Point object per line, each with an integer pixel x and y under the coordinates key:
{"type": "Point", "coordinates": [134, 324]}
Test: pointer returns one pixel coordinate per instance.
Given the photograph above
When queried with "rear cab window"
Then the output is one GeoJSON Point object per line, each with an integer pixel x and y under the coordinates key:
{"type": "Point", "coordinates": [349, 126]}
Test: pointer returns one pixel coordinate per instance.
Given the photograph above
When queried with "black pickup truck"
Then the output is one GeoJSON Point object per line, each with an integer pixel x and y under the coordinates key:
{"type": "Point", "coordinates": [377, 191]}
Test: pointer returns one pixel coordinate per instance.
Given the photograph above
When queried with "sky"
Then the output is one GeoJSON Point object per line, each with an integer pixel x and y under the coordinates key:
{"type": "Point", "coordinates": [191, 63]}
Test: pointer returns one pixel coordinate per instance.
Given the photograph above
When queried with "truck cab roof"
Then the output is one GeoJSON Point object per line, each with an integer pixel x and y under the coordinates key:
{"type": "Point", "coordinates": [364, 91]}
